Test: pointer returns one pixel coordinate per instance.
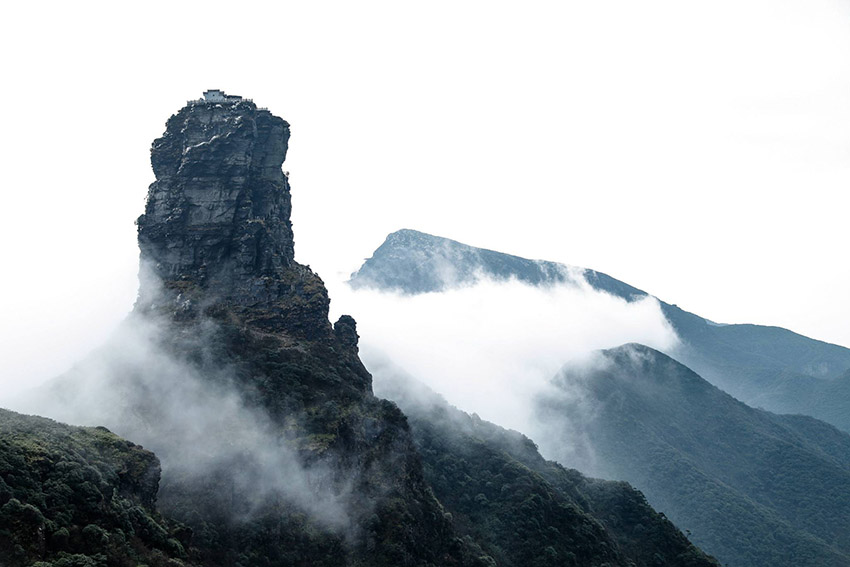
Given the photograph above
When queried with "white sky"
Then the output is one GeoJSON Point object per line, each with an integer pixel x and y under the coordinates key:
{"type": "Point", "coordinates": [697, 150]}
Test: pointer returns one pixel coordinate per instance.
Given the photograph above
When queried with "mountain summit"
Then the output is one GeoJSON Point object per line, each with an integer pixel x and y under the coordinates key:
{"type": "Point", "coordinates": [217, 221]}
{"type": "Point", "coordinates": [414, 262]}
{"type": "Point", "coordinates": [768, 367]}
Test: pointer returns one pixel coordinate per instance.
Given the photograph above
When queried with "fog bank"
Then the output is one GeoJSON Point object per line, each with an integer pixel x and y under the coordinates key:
{"type": "Point", "coordinates": [490, 348]}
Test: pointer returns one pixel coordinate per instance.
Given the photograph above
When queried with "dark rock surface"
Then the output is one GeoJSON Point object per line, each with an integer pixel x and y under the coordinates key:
{"type": "Point", "coordinates": [217, 228]}
{"type": "Point", "coordinates": [345, 330]}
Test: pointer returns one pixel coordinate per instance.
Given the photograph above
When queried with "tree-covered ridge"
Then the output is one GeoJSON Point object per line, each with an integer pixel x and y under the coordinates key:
{"type": "Point", "coordinates": [285, 457]}
{"type": "Point", "coordinates": [80, 497]}
{"type": "Point", "coordinates": [753, 487]}
{"type": "Point", "coordinates": [525, 510]}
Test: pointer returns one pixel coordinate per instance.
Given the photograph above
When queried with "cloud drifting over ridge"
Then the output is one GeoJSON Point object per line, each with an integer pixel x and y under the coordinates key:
{"type": "Point", "coordinates": [491, 347]}
{"type": "Point", "coordinates": [211, 438]}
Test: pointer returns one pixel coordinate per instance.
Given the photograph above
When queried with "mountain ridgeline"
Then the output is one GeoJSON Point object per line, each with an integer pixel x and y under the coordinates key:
{"type": "Point", "coordinates": [500, 490]}
{"type": "Point", "coordinates": [274, 449]}
{"type": "Point", "coordinates": [751, 487]}
{"type": "Point", "coordinates": [767, 367]}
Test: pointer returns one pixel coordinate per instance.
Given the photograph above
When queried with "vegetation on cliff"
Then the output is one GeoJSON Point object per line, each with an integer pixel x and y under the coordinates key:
{"type": "Point", "coordinates": [80, 497]}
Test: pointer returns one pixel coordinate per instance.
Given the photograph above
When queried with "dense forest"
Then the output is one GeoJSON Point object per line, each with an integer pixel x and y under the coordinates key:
{"type": "Point", "coordinates": [80, 497]}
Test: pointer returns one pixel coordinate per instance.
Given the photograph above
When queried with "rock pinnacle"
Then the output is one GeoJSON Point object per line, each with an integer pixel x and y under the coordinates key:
{"type": "Point", "coordinates": [216, 229]}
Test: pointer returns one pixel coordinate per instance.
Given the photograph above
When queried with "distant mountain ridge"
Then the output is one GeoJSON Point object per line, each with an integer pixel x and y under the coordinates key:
{"type": "Point", "coordinates": [764, 366]}
{"type": "Point", "coordinates": [755, 488]}
{"type": "Point", "coordinates": [414, 262]}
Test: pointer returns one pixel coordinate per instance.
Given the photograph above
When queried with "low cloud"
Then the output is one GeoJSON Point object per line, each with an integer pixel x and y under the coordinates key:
{"type": "Point", "coordinates": [489, 348]}
{"type": "Point", "coordinates": [178, 402]}
{"type": "Point", "coordinates": [492, 347]}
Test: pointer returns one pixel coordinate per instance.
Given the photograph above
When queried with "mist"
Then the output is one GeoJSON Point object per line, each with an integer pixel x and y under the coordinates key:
{"type": "Point", "coordinates": [160, 386]}
{"type": "Point", "coordinates": [567, 410]}
{"type": "Point", "coordinates": [492, 348]}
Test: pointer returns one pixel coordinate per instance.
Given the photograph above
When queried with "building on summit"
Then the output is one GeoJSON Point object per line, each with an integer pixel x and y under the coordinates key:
{"type": "Point", "coordinates": [215, 95]}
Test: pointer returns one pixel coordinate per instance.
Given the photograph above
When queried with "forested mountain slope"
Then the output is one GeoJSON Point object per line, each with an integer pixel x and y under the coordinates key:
{"type": "Point", "coordinates": [501, 491]}
{"type": "Point", "coordinates": [79, 497]}
{"type": "Point", "coordinates": [754, 488]}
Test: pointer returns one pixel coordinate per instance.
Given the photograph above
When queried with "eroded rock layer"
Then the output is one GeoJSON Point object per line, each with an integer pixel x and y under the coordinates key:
{"type": "Point", "coordinates": [216, 228]}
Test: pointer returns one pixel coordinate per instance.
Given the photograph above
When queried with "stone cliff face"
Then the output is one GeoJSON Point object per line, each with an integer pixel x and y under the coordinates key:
{"type": "Point", "coordinates": [217, 251]}
{"type": "Point", "coordinates": [216, 228]}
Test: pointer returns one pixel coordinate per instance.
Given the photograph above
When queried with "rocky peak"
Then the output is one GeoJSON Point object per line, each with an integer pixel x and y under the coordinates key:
{"type": "Point", "coordinates": [345, 330]}
{"type": "Point", "coordinates": [216, 227]}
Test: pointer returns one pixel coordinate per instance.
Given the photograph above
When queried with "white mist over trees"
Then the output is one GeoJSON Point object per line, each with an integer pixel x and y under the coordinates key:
{"type": "Point", "coordinates": [195, 415]}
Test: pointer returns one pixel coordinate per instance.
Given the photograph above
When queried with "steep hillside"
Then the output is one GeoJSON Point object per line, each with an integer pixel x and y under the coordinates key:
{"type": "Point", "coordinates": [80, 497]}
{"type": "Point", "coordinates": [766, 367]}
{"type": "Point", "coordinates": [274, 449]}
{"type": "Point", "coordinates": [501, 492]}
{"type": "Point", "coordinates": [754, 488]}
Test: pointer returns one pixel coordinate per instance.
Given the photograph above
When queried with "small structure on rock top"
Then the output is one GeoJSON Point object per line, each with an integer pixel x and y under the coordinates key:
{"type": "Point", "coordinates": [215, 95]}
